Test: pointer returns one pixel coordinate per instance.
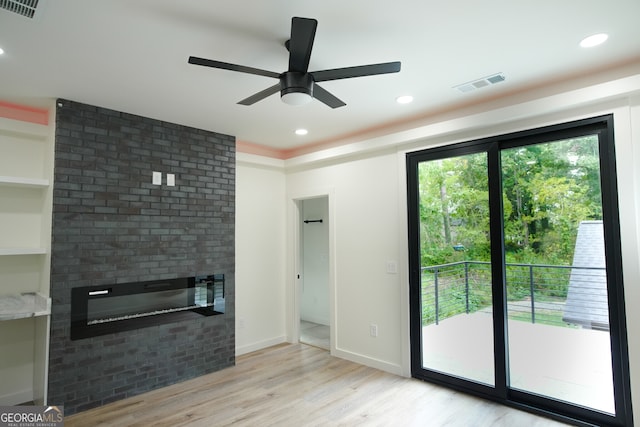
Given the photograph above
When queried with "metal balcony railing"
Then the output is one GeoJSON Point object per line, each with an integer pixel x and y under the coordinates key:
{"type": "Point", "coordinates": [535, 293]}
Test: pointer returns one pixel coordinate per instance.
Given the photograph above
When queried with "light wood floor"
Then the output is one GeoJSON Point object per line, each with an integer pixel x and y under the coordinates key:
{"type": "Point", "coordinates": [300, 385]}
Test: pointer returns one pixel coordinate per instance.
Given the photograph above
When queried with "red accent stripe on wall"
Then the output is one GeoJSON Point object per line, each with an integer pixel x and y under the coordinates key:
{"type": "Point", "coordinates": [24, 114]}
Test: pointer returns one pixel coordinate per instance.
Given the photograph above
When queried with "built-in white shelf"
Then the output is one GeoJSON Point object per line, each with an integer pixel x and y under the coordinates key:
{"type": "Point", "coordinates": [26, 198]}
{"type": "Point", "coordinates": [32, 304]}
{"type": "Point", "coordinates": [18, 181]}
{"type": "Point", "coordinates": [30, 130]}
{"type": "Point", "coordinates": [22, 251]}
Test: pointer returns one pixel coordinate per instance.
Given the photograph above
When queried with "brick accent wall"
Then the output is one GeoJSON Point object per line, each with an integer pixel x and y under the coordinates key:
{"type": "Point", "coordinates": [111, 225]}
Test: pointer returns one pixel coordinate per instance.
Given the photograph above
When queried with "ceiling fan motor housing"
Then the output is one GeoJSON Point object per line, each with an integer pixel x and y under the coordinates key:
{"type": "Point", "coordinates": [295, 82]}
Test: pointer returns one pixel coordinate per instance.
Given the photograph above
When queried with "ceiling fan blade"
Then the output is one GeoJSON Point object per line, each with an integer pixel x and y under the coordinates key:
{"type": "Point", "coordinates": [232, 67]}
{"type": "Point", "coordinates": [303, 32]}
{"type": "Point", "coordinates": [326, 97]}
{"type": "Point", "coordinates": [260, 95]}
{"type": "Point", "coordinates": [359, 71]}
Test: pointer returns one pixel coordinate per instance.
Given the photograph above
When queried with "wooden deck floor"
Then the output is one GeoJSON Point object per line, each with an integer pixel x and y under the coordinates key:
{"type": "Point", "coordinates": [299, 385]}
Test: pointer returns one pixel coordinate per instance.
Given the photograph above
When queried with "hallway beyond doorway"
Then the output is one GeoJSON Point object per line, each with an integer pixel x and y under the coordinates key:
{"type": "Point", "coordinates": [314, 334]}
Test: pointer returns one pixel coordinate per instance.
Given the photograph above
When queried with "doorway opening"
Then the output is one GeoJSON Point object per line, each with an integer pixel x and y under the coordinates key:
{"type": "Point", "coordinates": [313, 276]}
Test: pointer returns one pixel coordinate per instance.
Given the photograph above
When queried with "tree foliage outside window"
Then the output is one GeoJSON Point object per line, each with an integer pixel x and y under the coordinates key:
{"type": "Point", "coordinates": [547, 190]}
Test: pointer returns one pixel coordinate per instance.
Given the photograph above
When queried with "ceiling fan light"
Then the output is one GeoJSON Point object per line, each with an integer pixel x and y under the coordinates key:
{"type": "Point", "coordinates": [296, 98]}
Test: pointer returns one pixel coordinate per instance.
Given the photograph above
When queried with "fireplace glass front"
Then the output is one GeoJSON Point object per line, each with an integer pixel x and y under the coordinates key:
{"type": "Point", "coordinates": [99, 310]}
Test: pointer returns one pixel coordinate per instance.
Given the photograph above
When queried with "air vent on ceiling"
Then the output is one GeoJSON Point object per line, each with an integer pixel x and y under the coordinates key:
{"type": "Point", "coordinates": [480, 83]}
{"type": "Point", "coordinates": [21, 7]}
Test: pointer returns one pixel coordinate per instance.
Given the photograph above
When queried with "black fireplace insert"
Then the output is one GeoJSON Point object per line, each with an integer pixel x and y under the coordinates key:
{"type": "Point", "coordinates": [101, 310]}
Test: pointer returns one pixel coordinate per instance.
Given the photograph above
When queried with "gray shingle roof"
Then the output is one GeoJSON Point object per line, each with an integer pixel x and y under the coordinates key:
{"type": "Point", "coordinates": [587, 297]}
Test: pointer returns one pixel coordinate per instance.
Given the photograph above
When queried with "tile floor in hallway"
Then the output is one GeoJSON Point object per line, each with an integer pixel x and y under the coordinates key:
{"type": "Point", "coordinates": [314, 334]}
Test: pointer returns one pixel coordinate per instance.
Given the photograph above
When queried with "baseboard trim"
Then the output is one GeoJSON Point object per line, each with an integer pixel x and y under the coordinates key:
{"type": "Point", "coordinates": [368, 361]}
{"type": "Point", "coordinates": [17, 398]}
{"type": "Point", "coordinates": [248, 348]}
{"type": "Point", "coordinates": [343, 354]}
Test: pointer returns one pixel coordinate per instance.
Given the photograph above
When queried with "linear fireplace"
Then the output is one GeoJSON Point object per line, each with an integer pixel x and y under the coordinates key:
{"type": "Point", "coordinates": [100, 310]}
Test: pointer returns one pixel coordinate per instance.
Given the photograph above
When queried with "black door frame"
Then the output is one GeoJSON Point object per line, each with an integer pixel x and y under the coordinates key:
{"type": "Point", "coordinates": [603, 127]}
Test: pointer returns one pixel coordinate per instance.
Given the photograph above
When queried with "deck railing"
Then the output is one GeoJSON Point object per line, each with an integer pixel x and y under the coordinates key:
{"type": "Point", "coordinates": [535, 292]}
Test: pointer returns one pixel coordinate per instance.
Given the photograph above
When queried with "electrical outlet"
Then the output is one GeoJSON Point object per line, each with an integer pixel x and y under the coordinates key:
{"type": "Point", "coordinates": [156, 178]}
{"type": "Point", "coordinates": [240, 323]}
{"type": "Point", "coordinates": [373, 330]}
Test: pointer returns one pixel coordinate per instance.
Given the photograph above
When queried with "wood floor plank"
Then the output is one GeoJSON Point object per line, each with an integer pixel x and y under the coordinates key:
{"type": "Point", "coordinates": [299, 385]}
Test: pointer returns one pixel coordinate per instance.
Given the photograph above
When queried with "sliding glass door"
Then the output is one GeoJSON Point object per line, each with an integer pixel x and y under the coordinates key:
{"type": "Point", "coordinates": [516, 287]}
{"type": "Point", "coordinates": [455, 271]}
{"type": "Point", "coordinates": [557, 305]}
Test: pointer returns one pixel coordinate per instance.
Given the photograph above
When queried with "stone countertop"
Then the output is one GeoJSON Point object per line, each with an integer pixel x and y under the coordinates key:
{"type": "Point", "coordinates": [25, 305]}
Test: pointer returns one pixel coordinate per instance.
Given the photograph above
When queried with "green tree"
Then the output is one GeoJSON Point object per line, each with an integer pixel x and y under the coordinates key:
{"type": "Point", "coordinates": [548, 189]}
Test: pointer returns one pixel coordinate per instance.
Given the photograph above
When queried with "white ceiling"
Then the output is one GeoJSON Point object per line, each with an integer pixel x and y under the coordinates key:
{"type": "Point", "coordinates": [132, 56]}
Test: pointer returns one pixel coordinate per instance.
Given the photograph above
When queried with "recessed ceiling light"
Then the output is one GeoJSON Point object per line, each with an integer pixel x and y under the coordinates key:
{"type": "Point", "coordinates": [404, 99]}
{"type": "Point", "coordinates": [301, 131]}
{"type": "Point", "coordinates": [1, 51]}
{"type": "Point", "coordinates": [594, 40]}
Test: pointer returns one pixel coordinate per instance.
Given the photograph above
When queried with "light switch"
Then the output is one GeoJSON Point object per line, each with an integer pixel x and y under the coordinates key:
{"type": "Point", "coordinates": [157, 178]}
{"type": "Point", "coordinates": [171, 180]}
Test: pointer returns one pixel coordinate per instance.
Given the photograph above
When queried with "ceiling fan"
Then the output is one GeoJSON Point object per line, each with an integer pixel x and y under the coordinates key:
{"type": "Point", "coordinates": [297, 85]}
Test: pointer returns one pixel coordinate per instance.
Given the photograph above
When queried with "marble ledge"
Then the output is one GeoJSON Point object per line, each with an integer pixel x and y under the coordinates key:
{"type": "Point", "coordinates": [31, 304]}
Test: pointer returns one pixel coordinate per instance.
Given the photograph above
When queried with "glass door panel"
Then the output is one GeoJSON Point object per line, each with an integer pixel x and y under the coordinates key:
{"type": "Point", "coordinates": [515, 266]}
{"type": "Point", "coordinates": [556, 286]}
{"type": "Point", "coordinates": [455, 252]}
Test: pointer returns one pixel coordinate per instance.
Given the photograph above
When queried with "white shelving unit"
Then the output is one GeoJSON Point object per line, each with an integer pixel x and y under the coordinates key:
{"type": "Point", "coordinates": [19, 181]}
{"type": "Point", "coordinates": [22, 251]}
{"type": "Point", "coordinates": [26, 197]}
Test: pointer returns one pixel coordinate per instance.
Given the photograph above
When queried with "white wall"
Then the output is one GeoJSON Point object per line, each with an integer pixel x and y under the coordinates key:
{"type": "Point", "coordinates": [368, 209]}
{"type": "Point", "coordinates": [628, 157]}
{"type": "Point", "coordinates": [260, 256]}
{"type": "Point", "coordinates": [365, 228]}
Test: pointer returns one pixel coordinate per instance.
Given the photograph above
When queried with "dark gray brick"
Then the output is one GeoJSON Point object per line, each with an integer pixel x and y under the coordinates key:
{"type": "Point", "coordinates": [111, 225]}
